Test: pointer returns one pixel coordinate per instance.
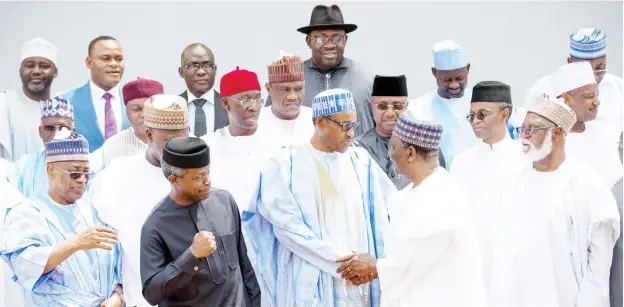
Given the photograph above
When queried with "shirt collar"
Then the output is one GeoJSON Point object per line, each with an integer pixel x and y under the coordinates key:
{"type": "Point", "coordinates": [209, 96]}
{"type": "Point", "coordinates": [98, 92]}
{"type": "Point", "coordinates": [499, 144]}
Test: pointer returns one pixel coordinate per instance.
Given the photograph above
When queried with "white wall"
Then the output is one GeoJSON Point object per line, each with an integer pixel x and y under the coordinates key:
{"type": "Point", "coordinates": [513, 42]}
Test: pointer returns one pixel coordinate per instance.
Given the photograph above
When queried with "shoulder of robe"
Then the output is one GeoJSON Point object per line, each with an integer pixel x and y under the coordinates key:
{"type": "Point", "coordinates": [361, 154]}
{"type": "Point", "coordinates": [361, 73]}
{"type": "Point", "coordinates": [24, 210]}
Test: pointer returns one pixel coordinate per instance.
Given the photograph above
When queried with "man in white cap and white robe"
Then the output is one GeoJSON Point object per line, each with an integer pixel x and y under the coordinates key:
{"type": "Point", "coordinates": [558, 222]}
{"type": "Point", "coordinates": [19, 110]}
{"type": "Point", "coordinates": [590, 45]}
{"type": "Point", "coordinates": [486, 167]}
{"type": "Point", "coordinates": [127, 190]}
{"type": "Point", "coordinates": [589, 141]}
{"type": "Point", "coordinates": [315, 203]}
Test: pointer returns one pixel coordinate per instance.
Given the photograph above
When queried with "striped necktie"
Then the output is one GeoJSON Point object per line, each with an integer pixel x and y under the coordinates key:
{"type": "Point", "coordinates": [110, 124]}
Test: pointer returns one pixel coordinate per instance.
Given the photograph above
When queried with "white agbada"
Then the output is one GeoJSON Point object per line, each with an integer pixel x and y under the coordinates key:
{"type": "Point", "coordinates": [597, 148]}
{"type": "Point", "coordinates": [432, 254]}
{"type": "Point", "coordinates": [610, 95]}
{"type": "Point", "coordinates": [124, 143]}
{"type": "Point", "coordinates": [483, 171]}
{"type": "Point", "coordinates": [556, 236]}
{"type": "Point", "coordinates": [11, 294]}
{"type": "Point", "coordinates": [124, 195]}
{"type": "Point", "coordinates": [20, 118]}
{"type": "Point", "coordinates": [298, 130]}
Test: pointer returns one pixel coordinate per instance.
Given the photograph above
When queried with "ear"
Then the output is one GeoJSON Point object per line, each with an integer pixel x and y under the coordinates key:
{"type": "Point", "coordinates": [172, 179]}
{"type": "Point", "coordinates": [567, 98]}
{"type": "Point", "coordinates": [468, 67]}
{"type": "Point", "coordinates": [225, 104]}
{"type": "Point", "coordinates": [434, 72]}
{"type": "Point", "coordinates": [55, 72]}
{"type": "Point", "coordinates": [148, 134]}
{"type": "Point", "coordinates": [320, 122]}
{"type": "Point", "coordinates": [411, 154]}
{"type": "Point", "coordinates": [180, 72]}
{"type": "Point", "coordinates": [557, 134]}
{"type": "Point", "coordinates": [506, 114]}
{"type": "Point", "coordinates": [346, 38]}
{"type": "Point", "coordinates": [267, 86]}
{"type": "Point", "coordinates": [89, 62]}
{"type": "Point", "coordinates": [50, 170]}
{"type": "Point", "coordinates": [41, 132]}
{"type": "Point", "coordinates": [309, 41]}
{"type": "Point", "coordinates": [569, 60]}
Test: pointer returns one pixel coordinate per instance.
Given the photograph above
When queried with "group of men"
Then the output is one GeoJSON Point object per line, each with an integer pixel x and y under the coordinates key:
{"type": "Point", "coordinates": [336, 191]}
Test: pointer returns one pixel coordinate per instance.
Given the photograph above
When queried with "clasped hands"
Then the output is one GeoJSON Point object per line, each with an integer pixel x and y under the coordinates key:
{"type": "Point", "coordinates": [357, 268]}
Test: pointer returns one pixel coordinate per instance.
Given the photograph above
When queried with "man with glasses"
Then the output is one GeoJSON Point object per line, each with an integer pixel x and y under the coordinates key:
{"type": "Point", "coordinates": [326, 36]}
{"type": "Point", "coordinates": [60, 252]}
{"type": "Point", "coordinates": [19, 110]}
{"type": "Point", "coordinates": [29, 173]}
{"type": "Point", "coordinates": [198, 69]}
{"type": "Point", "coordinates": [487, 166]}
{"type": "Point", "coordinates": [558, 222]}
{"type": "Point", "coordinates": [315, 203]}
{"type": "Point", "coordinates": [589, 140]}
{"type": "Point", "coordinates": [590, 45]}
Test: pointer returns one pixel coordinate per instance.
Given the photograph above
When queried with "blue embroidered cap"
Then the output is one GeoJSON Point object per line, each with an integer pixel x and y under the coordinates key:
{"type": "Point", "coordinates": [67, 146]}
{"type": "Point", "coordinates": [588, 44]}
{"type": "Point", "coordinates": [449, 55]}
{"type": "Point", "coordinates": [331, 102]}
{"type": "Point", "coordinates": [57, 107]}
{"type": "Point", "coordinates": [425, 134]}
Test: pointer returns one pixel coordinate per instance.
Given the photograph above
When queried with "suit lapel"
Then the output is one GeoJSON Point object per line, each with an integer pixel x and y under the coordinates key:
{"type": "Point", "coordinates": [86, 117]}
{"type": "Point", "coordinates": [125, 122]}
{"type": "Point", "coordinates": [221, 118]}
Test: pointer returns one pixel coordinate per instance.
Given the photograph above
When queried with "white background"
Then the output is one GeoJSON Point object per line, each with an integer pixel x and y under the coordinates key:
{"type": "Point", "coordinates": [512, 42]}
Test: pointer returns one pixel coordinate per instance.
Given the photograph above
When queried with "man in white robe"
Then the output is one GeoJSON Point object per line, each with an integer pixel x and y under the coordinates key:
{"type": "Point", "coordinates": [486, 167]}
{"type": "Point", "coordinates": [287, 113]}
{"type": "Point", "coordinates": [29, 174]}
{"type": "Point", "coordinates": [558, 222]}
{"type": "Point", "coordinates": [589, 140]}
{"type": "Point", "coordinates": [130, 141]}
{"type": "Point", "coordinates": [127, 190]}
{"type": "Point", "coordinates": [314, 203]}
{"type": "Point", "coordinates": [19, 111]}
{"type": "Point", "coordinates": [615, 279]}
{"type": "Point", "coordinates": [590, 45]}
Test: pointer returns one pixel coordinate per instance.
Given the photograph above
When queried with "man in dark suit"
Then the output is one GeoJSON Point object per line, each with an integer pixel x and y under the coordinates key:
{"type": "Point", "coordinates": [198, 69]}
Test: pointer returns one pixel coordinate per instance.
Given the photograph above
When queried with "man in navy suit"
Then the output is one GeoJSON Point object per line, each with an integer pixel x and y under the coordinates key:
{"type": "Point", "coordinates": [99, 109]}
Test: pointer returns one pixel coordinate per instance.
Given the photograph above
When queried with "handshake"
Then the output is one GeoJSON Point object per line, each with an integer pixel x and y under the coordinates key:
{"type": "Point", "coordinates": [359, 269]}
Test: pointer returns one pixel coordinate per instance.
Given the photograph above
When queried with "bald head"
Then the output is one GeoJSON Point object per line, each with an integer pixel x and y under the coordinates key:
{"type": "Point", "coordinates": [198, 69]}
{"type": "Point", "coordinates": [194, 46]}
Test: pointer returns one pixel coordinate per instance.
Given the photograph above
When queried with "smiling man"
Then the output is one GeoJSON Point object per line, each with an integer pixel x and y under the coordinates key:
{"type": "Point", "coordinates": [19, 111]}
{"type": "Point", "coordinates": [99, 107]}
{"type": "Point", "coordinates": [198, 69]}
{"type": "Point", "coordinates": [450, 103]}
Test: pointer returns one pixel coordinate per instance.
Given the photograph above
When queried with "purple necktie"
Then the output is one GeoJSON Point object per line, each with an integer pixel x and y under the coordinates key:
{"type": "Point", "coordinates": [110, 124]}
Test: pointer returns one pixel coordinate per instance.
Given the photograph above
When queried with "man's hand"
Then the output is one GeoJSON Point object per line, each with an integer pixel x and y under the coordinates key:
{"type": "Point", "coordinates": [203, 244]}
{"type": "Point", "coordinates": [113, 301]}
{"type": "Point", "coordinates": [91, 238]}
{"type": "Point", "coordinates": [358, 268]}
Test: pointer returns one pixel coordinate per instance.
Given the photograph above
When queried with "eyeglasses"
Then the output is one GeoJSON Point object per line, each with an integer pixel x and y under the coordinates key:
{"type": "Point", "coordinates": [247, 102]}
{"type": "Point", "coordinates": [531, 130]}
{"type": "Point", "coordinates": [76, 175]}
{"type": "Point", "coordinates": [346, 126]}
{"type": "Point", "coordinates": [480, 115]}
{"type": "Point", "coordinates": [385, 106]}
{"type": "Point", "coordinates": [207, 66]}
{"type": "Point", "coordinates": [55, 128]}
{"type": "Point", "coordinates": [322, 40]}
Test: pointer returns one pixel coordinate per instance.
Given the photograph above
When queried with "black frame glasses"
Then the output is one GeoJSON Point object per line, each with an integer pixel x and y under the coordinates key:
{"type": "Point", "coordinates": [336, 40]}
{"type": "Point", "coordinates": [207, 66]}
{"type": "Point", "coordinates": [346, 126]}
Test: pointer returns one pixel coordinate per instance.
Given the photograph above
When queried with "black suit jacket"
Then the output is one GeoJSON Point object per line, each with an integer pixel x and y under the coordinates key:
{"type": "Point", "coordinates": [221, 117]}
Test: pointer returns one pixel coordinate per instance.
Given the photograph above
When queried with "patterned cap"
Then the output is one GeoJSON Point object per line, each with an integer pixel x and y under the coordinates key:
{"type": "Point", "coordinates": [449, 55]}
{"type": "Point", "coordinates": [554, 110]}
{"type": "Point", "coordinates": [166, 112]}
{"type": "Point", "coordinates": [425, 134]}
{"type": "Point", "coordinates": [67, 146]}
{"type": "Point", "coordinates": [588, 44]}
{"type": "Point", "coordinates": [39, 47]}
{"type": "Point", "coordinates": [331, 102]}
{"type": "Point", "coordinates": [572, 76]}
{"type": "Point", "coordinates": [57, 107]}
{"type": "Point", "coordinates": [288, 68]}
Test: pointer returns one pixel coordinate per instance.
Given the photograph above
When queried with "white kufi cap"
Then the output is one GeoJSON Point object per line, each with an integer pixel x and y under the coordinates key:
{"type": "Point", "coordinates": [572, 76]}
{"type": "Point", "coordinates": [39, 47]}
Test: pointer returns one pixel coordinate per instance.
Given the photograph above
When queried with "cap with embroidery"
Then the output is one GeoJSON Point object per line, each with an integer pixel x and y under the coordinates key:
{"type": "Point", "coordinates": [572, 76]}
{"type": "Point", "coordinates": [425, 134]}
{"type": "Point", "coordinates": [588, 44]}
{"type": "Point", "coordinates": [288, 68]}
{"type": "Point", "coordinates": [331, 102]}
{"type": "Point", "coordinates": [57, 107]}
{"type": "Point", "coordinates": [449, 55]}
{"type": "Point", "coordinates": [67, 146]}
{"type": "Point", "coordinates": [39, 47]}
{"type": "Point", "coordinates": [554, 110]}
{"type": "Point", "coordinates": [141, 88]}
{"type": "Point", "coordinates": [166, 112]}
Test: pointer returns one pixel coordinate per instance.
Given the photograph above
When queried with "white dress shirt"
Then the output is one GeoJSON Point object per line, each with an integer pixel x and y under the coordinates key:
{"type": "Point", "coordinates": [209, 110]}
{"type": "Point", "coordinates": [99, 104]}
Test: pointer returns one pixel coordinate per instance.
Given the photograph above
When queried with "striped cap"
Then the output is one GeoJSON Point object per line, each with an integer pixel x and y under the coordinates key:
{"type": "Point", "coordinates": [554, 110]}
{"type": "Point", "coordinates": [425, 134]}
{"type": "Point", "coordinates": [288, 68]}
{"type": "Point", "coordinates": [57, 107]}
{"type": "Point", "coordinates": [67, 146]}
{"type": "Point", "coordinates": [166, 112]}
{"type": "Point", "coordinates": [588, 44]}
{"type": "Point", "coordinates": [331, 102]}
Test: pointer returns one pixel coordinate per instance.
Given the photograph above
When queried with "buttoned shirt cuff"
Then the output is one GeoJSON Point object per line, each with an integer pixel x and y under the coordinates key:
{"type": "Point", "coordinates": [188, 263]}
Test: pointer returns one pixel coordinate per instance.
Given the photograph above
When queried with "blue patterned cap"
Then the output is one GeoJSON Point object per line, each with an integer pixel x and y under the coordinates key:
{"type": "Point", "coordinates": [67, 146]}
{"type": "Point", "coordinates": [57, 107]}
{"type": "Point", "coordinates": [449, 55]}
{"type": "Point", "coordinates": [425, 134]}
{"type": "Point", "coordinates": [331, 102]}
{"type": "Point", "coordinates": [588, 44]}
